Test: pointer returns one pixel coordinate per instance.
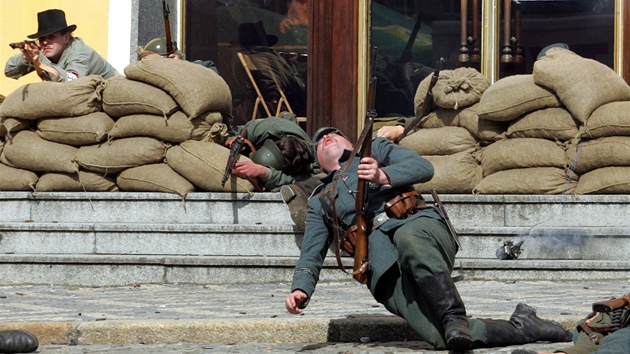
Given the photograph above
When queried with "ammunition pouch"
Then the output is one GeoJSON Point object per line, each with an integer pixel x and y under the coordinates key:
{"type": "Point", "coordinates": [606, 323]}
{"type": "Point", "coordinates": [400, 207]}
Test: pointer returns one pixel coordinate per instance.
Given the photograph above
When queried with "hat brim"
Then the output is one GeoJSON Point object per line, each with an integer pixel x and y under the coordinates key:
{"type": "Point", "coordinates": [48, 31]}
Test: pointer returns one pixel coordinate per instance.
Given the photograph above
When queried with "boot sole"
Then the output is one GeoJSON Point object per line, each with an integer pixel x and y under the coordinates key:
{"type": "Point", "coordinates": [459, 343]}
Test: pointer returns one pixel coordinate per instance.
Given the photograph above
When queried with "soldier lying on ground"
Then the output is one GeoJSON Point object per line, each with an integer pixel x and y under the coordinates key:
{"type": "Point", "coordinates": [410, 254]}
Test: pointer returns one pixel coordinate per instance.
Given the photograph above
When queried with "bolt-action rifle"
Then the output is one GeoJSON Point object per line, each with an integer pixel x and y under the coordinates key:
{"type": "Point", "coordinates": [170, 45]}
{"type": "Point", "coordinates": [426, 105]}
{"type": "Point", "coordinates": [361, 242]}
{"type": "Point", "coordinates": [20, 45]}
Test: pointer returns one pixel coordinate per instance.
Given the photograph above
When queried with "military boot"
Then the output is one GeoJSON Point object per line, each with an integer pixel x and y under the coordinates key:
{"type": "Point", "coordinates": [524, 327]}
{"type": "Point", "coordinates": [296, 195]}
{"type": "Point", "coordinates": [448, 305]}
{"type": "Point", "coordinates": [16, 341]}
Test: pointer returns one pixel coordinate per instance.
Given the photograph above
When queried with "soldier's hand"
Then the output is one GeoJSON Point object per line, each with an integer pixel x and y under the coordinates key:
{"type": "Point", "coordinates": [246, 169]}
{"type": "Point", "coordinates": [295, 302]}
{"type": "Point", "coordinates": [369, 170]}
{"type": "Point", "coordinates": [390, 132]}
{"type": "Point", "coordinates": [30, 52]}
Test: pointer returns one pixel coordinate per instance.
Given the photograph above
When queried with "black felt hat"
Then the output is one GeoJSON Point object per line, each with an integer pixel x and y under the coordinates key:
{"type": "Point", "coordinates": [51, 21]}
{"type": "Point", "coordinates": [250, 33]}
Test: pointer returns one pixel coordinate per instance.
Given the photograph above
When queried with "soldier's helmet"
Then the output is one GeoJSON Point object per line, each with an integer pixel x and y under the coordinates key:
{"type": "Point", "coordinates": [158, 45]}
{"type": "Point", "coordinates": [269, 155]}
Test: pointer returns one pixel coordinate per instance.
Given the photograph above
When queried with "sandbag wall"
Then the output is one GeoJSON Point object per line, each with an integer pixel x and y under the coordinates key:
{"type": "Point", "coordinates": [159, 128]}
{"type": "Point", "coordinates": [564, 129]}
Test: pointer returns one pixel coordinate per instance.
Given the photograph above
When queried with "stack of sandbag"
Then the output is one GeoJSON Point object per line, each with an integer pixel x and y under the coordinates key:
{"type": "Point", "coordinates": [599, 99]}
{"type": "Point", "coordinates": [96, 135]}
{"type": "Point", "coordinates": [442, 138]}
{"type": "Point", "coordinates": [531, 159]}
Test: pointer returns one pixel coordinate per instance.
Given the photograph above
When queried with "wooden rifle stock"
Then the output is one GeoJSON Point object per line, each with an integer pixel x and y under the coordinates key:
{"type": "Point", "coordinates": [611, 305]}
{"type": "Point", "coordinates": [363, 230]}
{"type": "Point", "coordinates": [426, 105]}
{"type": "Point", "coordinates": [170, 47]}
{"type": "Point", "coordinates": [20, 45]}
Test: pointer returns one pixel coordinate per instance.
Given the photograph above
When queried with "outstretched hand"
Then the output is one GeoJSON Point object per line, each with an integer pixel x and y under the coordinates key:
{"type": "Point", "coordinates": [294, 301]}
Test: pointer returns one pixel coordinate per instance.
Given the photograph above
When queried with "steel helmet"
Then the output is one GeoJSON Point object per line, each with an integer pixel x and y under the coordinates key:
{"type": "Point", "coordinates": [158, 45]}
{"type": "Point", "coordinates": [269, 155]}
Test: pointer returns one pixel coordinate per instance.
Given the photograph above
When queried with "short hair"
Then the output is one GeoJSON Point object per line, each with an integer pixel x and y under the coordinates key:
{"type": "Point", "coordinates": [296, 155]}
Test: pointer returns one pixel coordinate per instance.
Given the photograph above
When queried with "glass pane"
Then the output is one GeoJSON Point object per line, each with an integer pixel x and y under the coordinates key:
{"type": "Point", "coordinates": [273, 36]}
{"type": "Point", "coordinates": [586, 26]}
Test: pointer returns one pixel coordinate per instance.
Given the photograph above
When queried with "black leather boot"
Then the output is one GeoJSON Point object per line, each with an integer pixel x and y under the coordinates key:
{"type": "Point", "coordinates": [15, 341]}
{"type": "Point", "coordinates": [524, 327]}
{"type": "Point", "coordinates": [448, 305]}
{"type": "Point", "coordinates": [296, 195]}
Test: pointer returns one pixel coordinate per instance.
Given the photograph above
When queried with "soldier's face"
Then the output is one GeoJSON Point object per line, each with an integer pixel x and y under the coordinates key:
{"type": "Point", "coordinates": [330, 148]}
{"type": "Point", "coordinates": [53, 45]}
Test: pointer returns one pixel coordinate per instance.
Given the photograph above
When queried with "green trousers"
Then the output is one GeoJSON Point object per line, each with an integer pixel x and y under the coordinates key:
{"type": "Point", "coordinates": [425, 248]}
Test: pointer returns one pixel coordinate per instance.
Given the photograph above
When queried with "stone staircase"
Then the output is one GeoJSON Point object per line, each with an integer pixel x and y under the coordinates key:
{"type": "Point", "coordinates": [115, 239]}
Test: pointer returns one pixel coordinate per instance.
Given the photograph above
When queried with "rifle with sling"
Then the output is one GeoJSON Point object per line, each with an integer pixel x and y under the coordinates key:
{"type": "Point", "coordinates": [361, 242]}
{"type": "Point", "coordinates": [426, 105]}
{"type": "Point", "coordinates": [170, 45]}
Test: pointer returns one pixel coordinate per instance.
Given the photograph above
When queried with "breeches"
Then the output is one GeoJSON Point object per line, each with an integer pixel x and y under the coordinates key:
{"type": "Point", "coordinates": [425, 248]}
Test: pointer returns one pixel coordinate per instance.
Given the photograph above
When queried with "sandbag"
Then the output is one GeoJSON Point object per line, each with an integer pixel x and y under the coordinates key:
{"type": "Point", "coordinates": [89, 129]}
{"type": "Point", "coordinates": [117, 155]}
{"type": "Point", "coordinates": [522, 153]}
{"type": "Point", "coordinates": [455, 174]}
{"type": "Point", "coordinates": [10, 126]}
{"type": "Point", "coordinates": [55, 99]}
{"type": "Point", "coordinates": [588, 155]}
{"type": "Point", "coordinates": [534, 180]}
{"type": "Point", "coordinates": [203, 164]}
{"type": "Point", "coordinates": [484, 130]}
{"type": "Point", "coordinates": [122, 97]}
{"type": "Point", "coordinates": [513, 96]}
{"type": "Point", "coordinates": [605, 180]}
{"type": "Point", "coordinates": [549, 123]}
{"type": "Point", "coordinates": [583, 85]}
{"type": "Point", "coordinates": [195, 88]}
{"type": "Point", "coordinates": [610, 119]}
{"type": "Point", "coordinates": [459, 88]}
{"type": "Point", "coordinates": [176, 129]}
{"type": "Point", "coordinates": [440, 141]}
{"type": "Point", "coordinates": [30, 152]}
{"type": "Point", "coordinates": [84, 181]}
{"type": "Point", "coordinates": [158, 177]}
{"type": "Point", "coordinates": [16, 179]}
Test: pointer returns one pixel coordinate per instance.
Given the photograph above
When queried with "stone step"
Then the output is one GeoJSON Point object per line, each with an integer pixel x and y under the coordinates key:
{"type": "Point", "coordinates": [592, 243]}
{"type": "Point", "coordinates": [118, 270]}
{"type": "Point", "coordinates": [268, 208]}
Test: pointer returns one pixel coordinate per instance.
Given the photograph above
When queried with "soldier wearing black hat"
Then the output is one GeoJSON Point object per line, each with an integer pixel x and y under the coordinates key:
{"type": "Point", "coordinates": [57, 55]}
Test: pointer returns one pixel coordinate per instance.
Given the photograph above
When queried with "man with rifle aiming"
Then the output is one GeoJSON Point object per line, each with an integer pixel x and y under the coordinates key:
{"type": "Point", "coordinates": [56, 55]}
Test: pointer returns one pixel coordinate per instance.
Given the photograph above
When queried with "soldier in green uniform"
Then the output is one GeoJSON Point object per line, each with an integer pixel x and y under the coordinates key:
{"type": "Point", "coordinates": [57, 55]}
{"type": "Point", "coordinates": [410, 258]}
{"type": "Point", "coordinates": [17, 341]}
{"type": "Point", "coordinates": [284, 152]}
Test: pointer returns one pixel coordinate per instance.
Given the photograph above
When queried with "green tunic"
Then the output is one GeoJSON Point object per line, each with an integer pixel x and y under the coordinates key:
{"type": "Point", "coordinates": [401, 251]}
{"type": "Point", "coordinates": [77, 60]}
{"type": "Point", "coordinates": [276, 128]}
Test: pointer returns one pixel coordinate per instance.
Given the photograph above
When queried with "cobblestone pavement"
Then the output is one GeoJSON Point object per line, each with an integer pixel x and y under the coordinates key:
{"type": "Point", "coordinates": [40, 308]}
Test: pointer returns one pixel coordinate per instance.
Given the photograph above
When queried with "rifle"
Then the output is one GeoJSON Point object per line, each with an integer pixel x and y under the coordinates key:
{"type": "Point", "coordinates": [611, 305]}
{"type": "Point", "coordinates": [20, 45]}
{"type": "Point", "coordinates": [170, 45]}
{"type": "Point", "coordinates": [426, 105]}
{"type": "Point", "coordinates": [361, 202]}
